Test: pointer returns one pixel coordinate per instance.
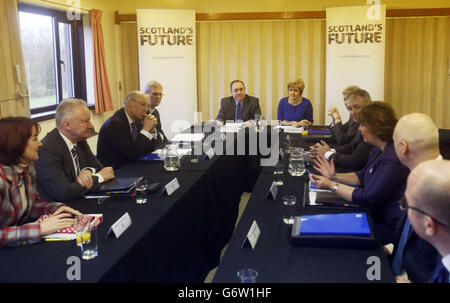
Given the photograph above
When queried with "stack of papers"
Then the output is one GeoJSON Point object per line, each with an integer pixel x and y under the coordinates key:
{"type": "Point", "coordinates": [187, 137]}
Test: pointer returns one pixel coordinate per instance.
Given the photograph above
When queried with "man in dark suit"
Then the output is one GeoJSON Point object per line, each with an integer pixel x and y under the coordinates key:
{"type": "Point", "coordinates": [66, 168]}
{"type": "Point", "coordinates": [353, 155]}
{"type": "Point", "coordinates": [427, 202]}
{"type": "Point", "coordinates": [154, 91]}
{"type": "Point", "coordinates": [416, 140]}
{"type": "Point", "coordinates": [239, 106]}
{"type": "Point", "coordinates": [343, 133]}
{"type": "Point", "coordinates": [129, 134]}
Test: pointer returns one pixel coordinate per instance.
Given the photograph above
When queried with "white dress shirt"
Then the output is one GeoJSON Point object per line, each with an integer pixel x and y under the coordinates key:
{"type": "Point", "coordinates": [70, 146]}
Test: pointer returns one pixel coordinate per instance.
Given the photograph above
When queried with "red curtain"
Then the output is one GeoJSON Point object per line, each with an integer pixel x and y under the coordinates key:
{"type": "Point", "coordinates": [102, 91]}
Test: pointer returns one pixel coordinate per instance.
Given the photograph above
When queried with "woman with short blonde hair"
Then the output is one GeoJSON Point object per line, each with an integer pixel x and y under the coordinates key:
{"type": "Point", "coordinates": [295, 110]}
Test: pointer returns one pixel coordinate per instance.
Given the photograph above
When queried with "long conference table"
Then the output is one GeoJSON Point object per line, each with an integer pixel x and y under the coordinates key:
{"type": "Point", "coordinates": [179, 238]}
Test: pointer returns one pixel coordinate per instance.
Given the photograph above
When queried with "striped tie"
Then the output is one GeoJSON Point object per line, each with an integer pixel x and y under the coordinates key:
{"type": "Point", "coordinates": [75, 159]}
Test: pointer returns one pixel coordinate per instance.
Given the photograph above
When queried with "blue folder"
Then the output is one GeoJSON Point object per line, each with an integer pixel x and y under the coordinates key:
{"type": "Point", "coordinates": [319, 132]}
{"type": "Point", "coordinates": [151, 157]}
{"type": "Point", "coordinates": [334, 224]}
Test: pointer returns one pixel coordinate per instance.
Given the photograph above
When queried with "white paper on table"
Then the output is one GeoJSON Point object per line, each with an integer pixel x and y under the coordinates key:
{"type": "Point", "coordinates": [315, 189]}
{"type": "Point", "coordinates": [312, 198]}
{"type": "Point", "coordinates": [180, 151]}
{"type": "Point", "coordinates": [231, 127]}
{"type": "Point", "coordinates": [187, 137]}
{"type": "Point", "coordinates": [292, 129]}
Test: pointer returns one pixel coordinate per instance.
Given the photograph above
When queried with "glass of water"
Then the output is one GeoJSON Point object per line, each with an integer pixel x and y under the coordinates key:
{"type": "Point", "coordinates": [141, 192]}
{"type": "Point", "coordinates": [289, 202]}
{"type": "Point", "coordinates": [278, 171]}
{"type": "Point", "coordinates": [296, 163]}
{"type": "Point", "coordinates": [171, 159]}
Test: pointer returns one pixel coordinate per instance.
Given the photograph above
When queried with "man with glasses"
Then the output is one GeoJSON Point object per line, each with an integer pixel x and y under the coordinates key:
{"type": "Point", "coordinates": [153, 90]}
{"type": "Point", "coordinates": [129, 134]}
{"type": "Point", "coordinates": [416, 140]}
{"type": "Point", "coordinates": [427, 202]}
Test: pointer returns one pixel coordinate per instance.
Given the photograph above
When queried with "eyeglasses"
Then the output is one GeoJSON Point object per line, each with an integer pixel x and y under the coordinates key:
{"type": "Point", "coordinates": [145, 104]}
{"type": "Point", "coordinates": [403, 204]}
{"type": "Point", "coordinates": [157, 94]}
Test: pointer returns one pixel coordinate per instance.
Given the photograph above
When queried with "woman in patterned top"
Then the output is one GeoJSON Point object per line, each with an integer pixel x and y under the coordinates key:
{"type": "Point", "coordinates": [20, 206]}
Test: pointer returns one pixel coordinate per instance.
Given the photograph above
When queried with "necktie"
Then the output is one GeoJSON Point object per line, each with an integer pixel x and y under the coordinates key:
{"type": "Point", "coordinates": [75, 159]}
{"type": "Point", "coordinates": [239, 112]}
{"type": "Point", "coordinates": [440, 275]}
{"type": "Point", "coordinates": [397, 263]}
{"type": "Point", "coordinates": [134, 131]}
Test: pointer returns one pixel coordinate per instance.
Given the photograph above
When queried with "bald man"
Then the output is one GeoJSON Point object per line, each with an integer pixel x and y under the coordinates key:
{"type": "Point", "coordinates": [416, 140]}
{"type": "Point", "coordinates": [427, 201]}
{"type": "Point", "coordinates": [129, 134]}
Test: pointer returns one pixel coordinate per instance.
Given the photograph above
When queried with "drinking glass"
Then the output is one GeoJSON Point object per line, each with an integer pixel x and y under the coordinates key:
{"type": "Point", "coordinates": [278, 170]}
{"type": "Point", "coordinates": [141, 192]}
{"type": "Point", "coordinates": [289, 202]}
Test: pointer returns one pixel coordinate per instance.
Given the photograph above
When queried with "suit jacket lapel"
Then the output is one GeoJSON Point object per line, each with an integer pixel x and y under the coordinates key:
{"type": "Point", "coordinates": [67, 155]}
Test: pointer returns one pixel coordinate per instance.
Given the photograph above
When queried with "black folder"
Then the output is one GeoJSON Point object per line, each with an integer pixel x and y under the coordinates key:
{"type": "Point", "coordinates": [116, 186]}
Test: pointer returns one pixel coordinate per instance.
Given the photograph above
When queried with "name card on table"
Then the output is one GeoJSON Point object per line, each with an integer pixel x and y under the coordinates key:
{"type": "Point", "coordinates": [282, 154]}
{"type": "Point", "coordinates": [252, 236]}
{"type": "Point", "coordinates": [120, 226]}
{"type": "Point", "coordinates": [171, 187]}
{"type": "Point", "coordinates": [273, 190]}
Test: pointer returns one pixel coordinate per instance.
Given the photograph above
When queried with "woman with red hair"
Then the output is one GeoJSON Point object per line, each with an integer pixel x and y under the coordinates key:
{"type": "Point", "coordinates": [20, 206]}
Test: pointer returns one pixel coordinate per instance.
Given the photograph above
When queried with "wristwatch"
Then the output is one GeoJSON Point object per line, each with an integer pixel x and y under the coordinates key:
{"type": "Point", "coordinates": [335, 187]}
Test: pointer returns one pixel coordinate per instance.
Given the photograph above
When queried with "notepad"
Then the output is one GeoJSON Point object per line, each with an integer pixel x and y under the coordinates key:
{"type": "Point", "coordinates": [292, 129]}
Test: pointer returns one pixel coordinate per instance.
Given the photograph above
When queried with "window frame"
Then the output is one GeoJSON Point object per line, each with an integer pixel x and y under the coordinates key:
{"type": "Point", "coordinates": [78, 58]}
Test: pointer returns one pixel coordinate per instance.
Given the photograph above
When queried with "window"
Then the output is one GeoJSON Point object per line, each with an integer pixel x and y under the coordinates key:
{"type": "Point", "coordinates": [53, 49]}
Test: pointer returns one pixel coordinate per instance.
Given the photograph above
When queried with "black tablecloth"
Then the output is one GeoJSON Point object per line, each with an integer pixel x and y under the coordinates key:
{"type": "Point", "coordinates": [175, 238]}
{"type": "Point", "coordinates": [276, 259]}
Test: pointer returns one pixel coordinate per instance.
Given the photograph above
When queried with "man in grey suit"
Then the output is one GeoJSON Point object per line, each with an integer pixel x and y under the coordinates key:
{"type": "Point", "coordinates": [66, 168]}
{"type": "Point", "coordinates": [239, 106]}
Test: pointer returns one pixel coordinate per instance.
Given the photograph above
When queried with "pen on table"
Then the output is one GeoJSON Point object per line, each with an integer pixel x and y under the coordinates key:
{"type": "Point", "coordinates": [58, 239]}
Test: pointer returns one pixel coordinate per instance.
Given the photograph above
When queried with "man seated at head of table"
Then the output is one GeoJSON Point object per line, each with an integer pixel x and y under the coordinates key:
{"type": "Point", "coordinates": [239, 107]}
{"type": "Point", "coordinates": [381, 183]}
{"type": "Point", "coordinates": [427, 202]}
{"type": "Point", "coordinates": [129, 134]}
{"type": "Point", "coordinates": [416, 139]}
{"type": "Point", "coordinates": [20, 205]}
{"type": "Point", "coordinates": [295, 110]}
{"type": "Point", "coordinates": [355, 154]}
{"type": "Point", "coordinates": [343, 133]}
{"type": "Point", "coordinates": [66, 168]}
